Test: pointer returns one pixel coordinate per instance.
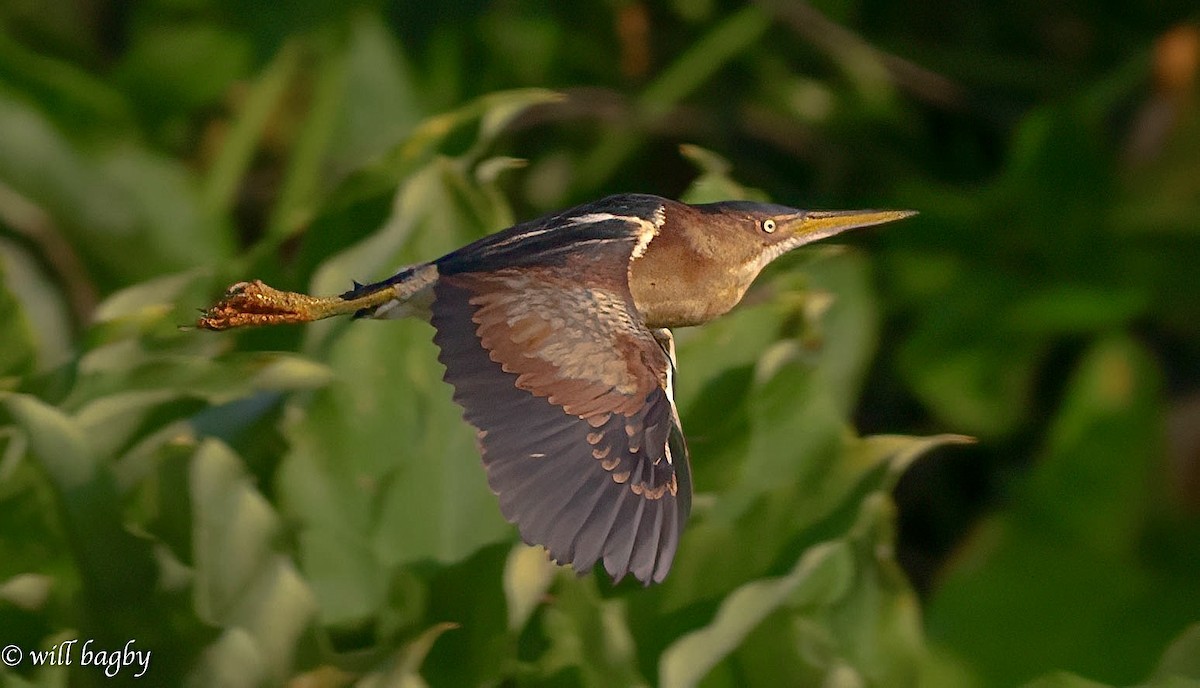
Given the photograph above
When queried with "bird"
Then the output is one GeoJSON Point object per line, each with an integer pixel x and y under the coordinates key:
{"type": "Point", "coordinates": [556, 336]}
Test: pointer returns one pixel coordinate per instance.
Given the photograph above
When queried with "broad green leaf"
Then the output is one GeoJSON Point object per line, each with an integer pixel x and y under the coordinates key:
{"type": "Point", "coordinates": [173, 231]}
{"type": "Point", "coordinates": [174, 67]}
{"type": "Point", "coordinates": [380, 104]}
{"type": "Point", "coordinates": [28, 591]}
{"type": "Point", "coordinates": [590, 634]}
{"type": "Point", "coordinates": [976, 376]}
{"type": "Point", "coordinates": [800, 465]}
{"type": "Point", "coordinates": [1075, 309]}
{"type": "Point", "coordinates": [829, 359]}
{"type": "Point", "coordinates": [1182, 657]}
{"type": "Point", "coordinates": [40, 164]}
{"type": "Point", "coordinates": [128, 366]}
{"type": "Point", "coordinates": [528, 574]}
{"type": "Point", "coordinates": [115, 567]}
{"type": "Point", "coordinates": [147, 300]}
{"type": "Point", "coordinates": [877, 623]}
{"type": "Point", "coordinates": [437, 210]}
{"type": "Point", "coordinates": [81, 99]}
{"type": "Point", "coordinates": [382, 470]}
{"type": "Point", "coordinates": [234, 659]}
{"type": "Point", "coordinates": [845, 609]}
{"type": "Point", "coordinates": [1095, 479]}
{"type": "Point", "coordinates": [714, 182]}
{"type": "Point", "coordinates": [823, 569]}
{"type": "Point", "coordinates": [244, 136]}
{"type": "Point", "coordinates": [17, 356]}
{"type": "Point", "coordinates": [842, 316]}
{"type": "Point", "coordinates": [1063, 680]}
{"type": "Point", "coordinates": [470, 593]}
{"type": "Point", "coordinates": [377, 180]}
{"type": "Point", "coordinates": [37, 316]}
{"type": "Point", "coordinates": [363, 101]}
{"type": "Point", "coordinates": [243, 584]}
{"type": "Point", "coordinates": [734, 341]}
{"type": "Point", "coordinates": [1066, 563]}
{"type": "Point", "coordinates": [897, 452]}
{"type": "Point", "coordinates": [130, 214]}
{"type": "Point", "coordinates": [114, 420]}
{"type": "Point", "coordinates": [405, 669]}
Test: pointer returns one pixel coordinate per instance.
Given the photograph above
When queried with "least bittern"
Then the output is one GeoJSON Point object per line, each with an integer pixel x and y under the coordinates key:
{"type": "Point", "coordinates": [554, 334]}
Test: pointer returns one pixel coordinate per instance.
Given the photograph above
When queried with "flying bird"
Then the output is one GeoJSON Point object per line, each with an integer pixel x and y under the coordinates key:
{"type": "Point", "coordinates": [556, 336]}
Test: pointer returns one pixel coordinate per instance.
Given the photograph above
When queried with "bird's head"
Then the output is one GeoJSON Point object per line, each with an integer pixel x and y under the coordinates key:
{"type": "Point", "coordinates": [750, 235]}
{"type": "Point", "coordinates": [704, 257]}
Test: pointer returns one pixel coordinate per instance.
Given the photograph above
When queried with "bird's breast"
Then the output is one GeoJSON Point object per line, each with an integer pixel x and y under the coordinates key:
{"type": "Point", "coordinates": [674, 287]}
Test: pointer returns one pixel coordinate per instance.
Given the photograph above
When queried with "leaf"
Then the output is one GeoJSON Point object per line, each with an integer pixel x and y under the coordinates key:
{"type": "Point", "coordinates": [80, 98]}
{"type": "Point", "coordinates": [591, 634]}
{"type": "Point", "coordinates": [382, 470]}
{"type": "Point", "coordinates": [379, 101]}
{"type": "Point", "coordinates": [821, 570]}
{"type": "Point", "coordinates": [17, 356]}
{"type": "Point", "coordinates": [1179, 668]}
{"type": "Point", "coordinates": [1063, 679]}
{"type": "Point", "coordinates": [1095, 479]}
{"type": "Point", "coordinates": [973, 375]}
{"type": "Point", "coordinates": [1182, 657]}
{"type": "Point", "coordinates": [842, 316]}
{"type": "Point", "coordinates": [145, 300]}
{"type": "Point", "coordinates": [35, 314]}
{"type": "Point", "coordinates": [1075, 309]}
{"type": "Point", "coordinates": [714, 183]}
{"type": "Point", "coordinates": [381, 177]}
{"type": "Point", "coordinates": [528, 574]}
{"type": "Point", "coordinates": [372, 223]}
{"type": "Point", "coordinates": [173, 231]}
{"type": "Point", "coordinates": [844, 612]}
{"type": "Point", "coordinates": [233, 660]}
{"type": "Point", "coordinates": [116, 568]}
{"type": "Point", "coordinates": [437, 210]}
{"type": "Point", "coordinates": [1068, 561]}
{"type": "Point", "coordinates": [176, 67]}
{"type": "Point", "coordinates": [124, 367]}
{"type": "Point", "coordinates": [898, 452]}
{"type": "Point", "coordinates": [243, 139]}
{"type": "Point", "coordinates": [242, 583]}
{"type": "Point", "coordinates": [27, 591]}
{"type": "Point", "coordinates": [405, 672]}
{"type": "Point", "coordinates": [39, 163]}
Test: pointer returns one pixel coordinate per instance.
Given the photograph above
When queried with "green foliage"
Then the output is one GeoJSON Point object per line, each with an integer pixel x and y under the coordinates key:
{"type": "Point", "coordinates": [305, 506]}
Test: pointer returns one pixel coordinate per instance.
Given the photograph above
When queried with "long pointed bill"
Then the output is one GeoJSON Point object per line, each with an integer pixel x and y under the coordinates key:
{"type": "Point", "coordinates": [807, 227]}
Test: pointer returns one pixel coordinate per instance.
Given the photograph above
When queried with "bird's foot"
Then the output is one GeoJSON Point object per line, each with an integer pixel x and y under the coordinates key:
{"type": "Point", "coordinates": [255, 304]}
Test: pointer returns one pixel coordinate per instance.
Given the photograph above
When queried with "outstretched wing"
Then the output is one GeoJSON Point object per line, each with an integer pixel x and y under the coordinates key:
{"type": "Point", "coordinates": [571, 397]}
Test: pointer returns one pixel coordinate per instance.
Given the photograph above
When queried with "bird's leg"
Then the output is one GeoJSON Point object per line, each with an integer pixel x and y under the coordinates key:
{"type": "Point", "coordinates": [252, 304]}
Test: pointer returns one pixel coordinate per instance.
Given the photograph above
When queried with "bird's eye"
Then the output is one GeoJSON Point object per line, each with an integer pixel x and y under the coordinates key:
{"type": "Point", "coordinates": [768, 226]}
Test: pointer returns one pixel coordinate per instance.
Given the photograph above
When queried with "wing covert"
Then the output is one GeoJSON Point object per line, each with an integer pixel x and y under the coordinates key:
{"type": "Point", "coordinates": [570, 395]}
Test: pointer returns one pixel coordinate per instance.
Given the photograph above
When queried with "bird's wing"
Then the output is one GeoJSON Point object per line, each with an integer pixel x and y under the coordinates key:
{"type": "Point", "coordinates": [571, 397]}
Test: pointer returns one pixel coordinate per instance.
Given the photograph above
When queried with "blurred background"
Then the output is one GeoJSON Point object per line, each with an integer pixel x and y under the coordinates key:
{"type": "Point", "coordinates": [304, 506]}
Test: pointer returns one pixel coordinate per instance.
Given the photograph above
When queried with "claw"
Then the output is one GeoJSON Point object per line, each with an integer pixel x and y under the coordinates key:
{"type": "Point", "coordinates": [255, 304]}
{"type": "Point", "coordinates": [251, 304]}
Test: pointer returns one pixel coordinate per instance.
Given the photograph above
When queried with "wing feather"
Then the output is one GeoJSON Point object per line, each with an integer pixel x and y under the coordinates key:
{"type": "Point", "coordinates": [571, 396]}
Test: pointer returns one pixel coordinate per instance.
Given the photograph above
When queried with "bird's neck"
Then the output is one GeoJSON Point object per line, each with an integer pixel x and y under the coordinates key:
{"type": "Point", "coordinates": [687, 278]}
